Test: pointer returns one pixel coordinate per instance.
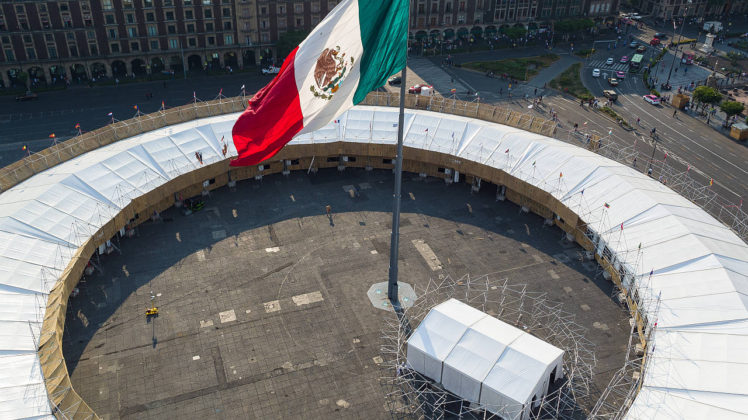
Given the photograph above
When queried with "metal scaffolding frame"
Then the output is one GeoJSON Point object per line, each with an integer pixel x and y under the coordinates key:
{"type": "Point", "coordinates": [412, 395]}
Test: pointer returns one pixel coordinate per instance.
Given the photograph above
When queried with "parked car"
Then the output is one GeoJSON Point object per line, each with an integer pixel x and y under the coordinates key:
{"type": "Point", "coordinates": [417, 88]}
{"type": "Point", "coordinates": [633, 44]}
{"type": "Point", "coordinates": [660, 35]}
{"type": "Point", "coordinates": [613, 81]}
{"type": "Point", "coordinates": [652, 99]}
{"type": "Point", "coordinates": [271, 70]}
{"type": "Point", "coordinates": [624, 59]}
{"type": "Point", "coordinates": [635, 16]}
{"type": "Point", "coordinates": [654, 42]}
{"type": "Point", "coordinates": [620, 75]}
{"type": "Point", "coordinates": [610, 94]}
{"type": "Point", "coordinates": [28, 96]}
{"type": "Point", "coordinates": [609, 61]}
{"type": "Point", "coordinates": [641, 49]}
{"type": "Point", "coordinates": [394, 80]}
{"type": "Point", "coordinates": [595, 72]}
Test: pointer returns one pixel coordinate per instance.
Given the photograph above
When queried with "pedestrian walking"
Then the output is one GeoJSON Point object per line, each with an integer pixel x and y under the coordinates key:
{"type": "Point", "coordinates": [536, 91]}
{"type": "Point", "coordinates": [633, 164]}
{"type": "Point", "coordinates": [675, 112]}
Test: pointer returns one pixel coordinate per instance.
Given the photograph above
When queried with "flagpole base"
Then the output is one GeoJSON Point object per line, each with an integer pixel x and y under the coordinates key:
{"type": "Point", "coordinates": [379, 298]}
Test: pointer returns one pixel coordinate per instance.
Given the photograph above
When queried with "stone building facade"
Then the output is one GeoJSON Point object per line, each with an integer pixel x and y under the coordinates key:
{"type": "Point", "coordinates": [54, 41]}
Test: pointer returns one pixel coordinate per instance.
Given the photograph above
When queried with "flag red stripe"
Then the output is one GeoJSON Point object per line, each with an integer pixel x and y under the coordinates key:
{"type": "Point", "coordinates": [271, 119]}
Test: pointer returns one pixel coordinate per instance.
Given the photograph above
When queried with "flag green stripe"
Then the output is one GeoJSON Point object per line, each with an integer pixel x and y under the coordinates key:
{"type": "Point", "coordinates": [384, 36]}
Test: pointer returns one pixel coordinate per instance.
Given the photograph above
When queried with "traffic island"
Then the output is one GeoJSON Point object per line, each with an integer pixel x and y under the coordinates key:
{"type": "Point", "coordinates": [516, 68]}
{"type": "Point", "coordinates": [570, 82]}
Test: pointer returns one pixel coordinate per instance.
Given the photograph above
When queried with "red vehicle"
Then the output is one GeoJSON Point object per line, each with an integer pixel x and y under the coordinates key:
{"type": "Point", "coordinates": [654, 42]}
{"type": "Point", "coordinates": [417, 88]}
{"type": "Point", "coordinates": [687, 59]}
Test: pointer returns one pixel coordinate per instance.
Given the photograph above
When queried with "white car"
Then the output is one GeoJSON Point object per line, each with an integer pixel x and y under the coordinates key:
{"type": "Point", "coordinates": [609, 61]}
{"type": "Point", "coordinates": [271, 70]}
{"type": "Point", "coordinates": [654, 100]}
{"type": "Point", "coordinates": [596, 73]}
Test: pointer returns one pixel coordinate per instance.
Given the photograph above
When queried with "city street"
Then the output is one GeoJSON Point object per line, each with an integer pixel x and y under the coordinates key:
{"type": "Point", "coordinates": [688, 141]}
{"type": "Point", "coordinates": [30, 123]}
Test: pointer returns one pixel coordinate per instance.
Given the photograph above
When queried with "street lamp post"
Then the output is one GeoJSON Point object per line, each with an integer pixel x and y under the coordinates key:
{"type": "Point", "coordinates": [654, 149]}
{"type": "Point", "coordinates": [677, 46]}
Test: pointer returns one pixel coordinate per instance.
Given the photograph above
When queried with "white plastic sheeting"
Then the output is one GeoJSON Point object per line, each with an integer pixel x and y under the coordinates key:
{"type": "Point", "coordinates": [699, 267]}
{"type": "Point", "coordinates": [481, 359]}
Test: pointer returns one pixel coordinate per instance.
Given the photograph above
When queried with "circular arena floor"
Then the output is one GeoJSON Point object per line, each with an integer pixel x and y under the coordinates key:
{"type": "Point", "coordinates": [262, 298]}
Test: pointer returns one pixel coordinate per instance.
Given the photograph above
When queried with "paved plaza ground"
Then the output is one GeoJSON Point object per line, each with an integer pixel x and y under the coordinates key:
{"type": "Point", "coordinates": [263, 304]}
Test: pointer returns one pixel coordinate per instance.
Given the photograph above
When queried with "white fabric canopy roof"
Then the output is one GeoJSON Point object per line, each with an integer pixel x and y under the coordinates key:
{"type": "Point", "coordinates": [481, 359]}
{"type": "Point", "coordinates": [700, 267]}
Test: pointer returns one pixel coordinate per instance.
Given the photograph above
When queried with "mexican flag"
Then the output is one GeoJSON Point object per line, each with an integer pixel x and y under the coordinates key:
{"type": "Point", "coordinates": [350, 53]}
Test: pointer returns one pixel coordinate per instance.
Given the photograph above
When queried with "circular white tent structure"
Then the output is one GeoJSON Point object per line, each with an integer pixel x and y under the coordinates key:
{"type": "Point", "coordinates": [687, 272]}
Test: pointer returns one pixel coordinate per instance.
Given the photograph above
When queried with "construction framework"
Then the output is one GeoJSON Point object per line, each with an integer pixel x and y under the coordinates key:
{"type": "Point", "coordinates": [411, 395]}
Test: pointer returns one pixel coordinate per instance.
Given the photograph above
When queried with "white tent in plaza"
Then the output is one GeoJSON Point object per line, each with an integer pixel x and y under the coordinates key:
{"type": "Point", "coordinates": [483, 360]}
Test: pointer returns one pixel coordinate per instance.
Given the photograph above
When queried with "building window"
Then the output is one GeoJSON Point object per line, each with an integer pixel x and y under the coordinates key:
{"type": "Point", "coordinates": [229, 40]}
{"type": "Point", "coordinates": [27, 39]}
{"type": "Point", "coordinates": [211, 40]}
{"type": "Point", "coordinates": [188, 14]}
{"type": "Point", "coordinates": [147, 3]}
{"type": "Point", "coordinates": [127, 4]}
{"type": "Point", "coordinates": [226, 12]}
{"type": "Point", "coordinates": [70, 36]}
{"type": "Point", "coordinates": [154, 45]}
{"type": "Point", "coordinates": [114, 48]}
{"type": "Point", "coordinates": [315, 20]}
{"type": "Point", "coordinates": [206, 2]}
{"type": "Point", "coordinates": [152, 30]}
{"type": "Point", "coordinates": [42, 7]}
{"type": "Point", "coordinates": [171, 29]}
{"type": "Point", "coordinates": [134, 46]}
{"type": "Point", "coordinates": [9, 55]}
{"type": "Point", "coordinates": [130, 18]}
{"type": "Point", "coordinates": [173, 44]}
{"type": "Point", "coordinates": [265, 37]}
{"type": "Point", "coordinates": [298, 8]}
{"type": "Point", "coordinates": [187, 2]}
{"type": "Point", "coordinates": [93, 50]}
{"type": "Point", "coordinates": [24, 24]}
{"type": "Point", "coordinates": [281, 9]}
{"type": "Point", "coordinates": [226, 25]}
{"type": "Point", "coordinates": [132, 32]}
{"type": "Point", "coordinates": [91, 35]}
{"type": "Point", "coordinates": [31, 53]}
{"type": "Point", "coordinates": [169, 15]}
{"type": "Point", "coordinates": [191, 28]}
{"type": "Point", "coordinates": [52, 52]}
{"type": "Point", "coordinates": [299, 22]}
{"type": "Point", "coordinates": [264, 24]}
{"type": "Point", "coordinates": [168, 2]}
{"type": "Point", "coordinates": [73, 50]}
{"type": "Point", "coordinates": [19, 9]}
{"type": "Point", "coordinates": [113, 33]}
{"type": "Point", "coordinates": [150, 17]}
{"type": "Point", "coordinates": [315, 7]}
{"type": "Point", "coordinates": [47, 37]}
{"type": "Point", "coordinates": [208, 13]}
{"type": "Point", "coordinates": [191, 42]}
{"type": "Point", "coordinates": [107, 4]}
{"type": "Point", "coordinates": [209, 27]}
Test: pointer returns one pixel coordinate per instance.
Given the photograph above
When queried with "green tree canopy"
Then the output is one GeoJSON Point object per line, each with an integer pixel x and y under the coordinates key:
{"type": "Point", "coordinates": [732, 108]}
{"type": "Point", "coordinates": [515, 32]}
{"type": "Point", "coordinates": [573, 25]}
{"type": "Point", "coordinates": [705, 95]}
{"type": "Point", "coordinates": [288, 41]}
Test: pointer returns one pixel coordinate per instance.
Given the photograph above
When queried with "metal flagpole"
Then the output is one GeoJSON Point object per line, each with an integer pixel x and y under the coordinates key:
{"type": "Point", "coordinates": [395, 240]}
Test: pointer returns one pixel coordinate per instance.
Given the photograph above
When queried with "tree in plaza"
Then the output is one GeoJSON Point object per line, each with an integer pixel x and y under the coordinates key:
{"type": "Point", "coordinates": [731, 108]}
{"type": "Point", "coordinates": [568, 26]}
{"type": "Point", "coordinates": [515, 32]}
{"type": "Point", "coordinates": [288, 41]}
{"type": "Point", "coordinates": [705, 95]}
{"type": "Point", "coordinates": [23, 78]}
